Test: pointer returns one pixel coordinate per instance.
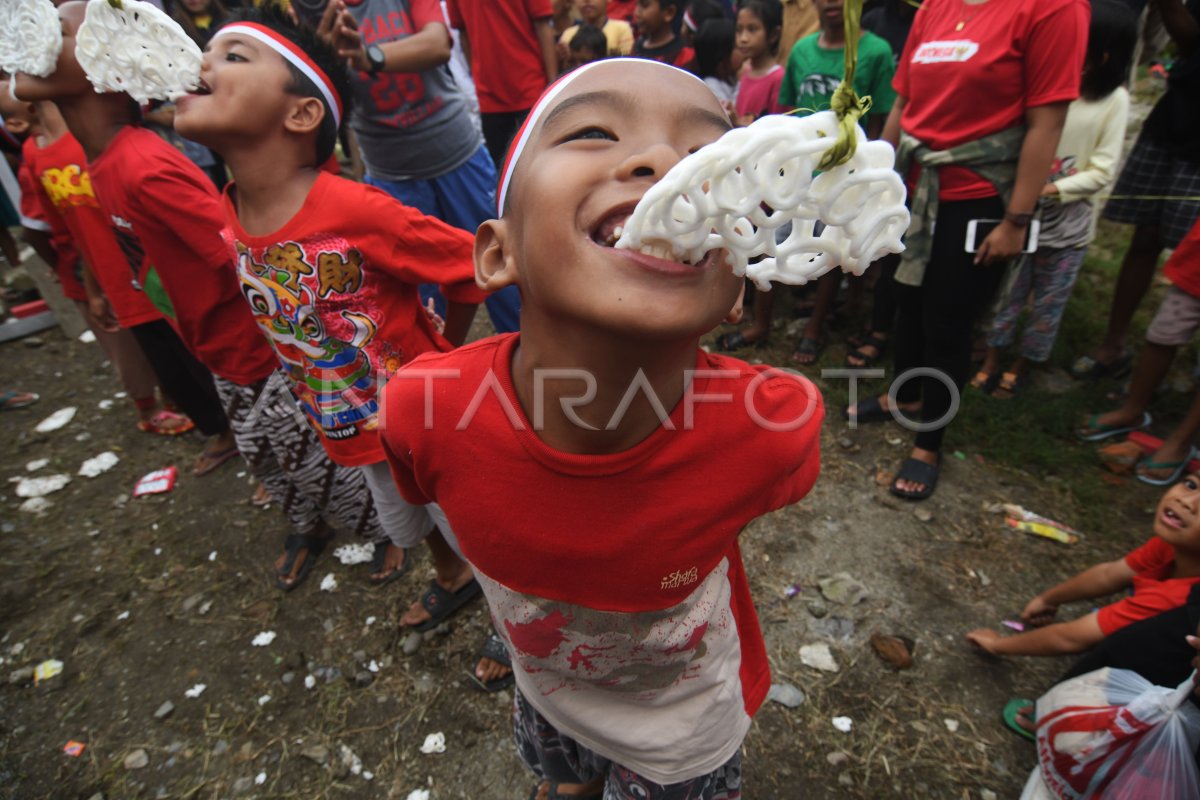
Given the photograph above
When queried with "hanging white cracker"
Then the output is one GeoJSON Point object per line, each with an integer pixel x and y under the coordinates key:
{"type": "Point", "coordinates": [131, 46]}
{"type": "Point", "coordinates": [718, 197]}
{"type": "Point", "coordinates": [30, 37]}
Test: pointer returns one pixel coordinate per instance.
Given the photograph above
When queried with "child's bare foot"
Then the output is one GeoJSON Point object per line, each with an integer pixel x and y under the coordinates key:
{"type": "Point", "coordinates": [495, 665]}
{"type": "Point", "coordinates": [546, 789]}
{"type": "Point", "coordinates": [914, 481]}
{"type": "Point", "coordinates": [261, 496]}
{"type": "Point", "coordinates": [390, 563]}
{"type": "Point", "coordinates": [1166, 464]}
{"type": "Point", "coordinates": [300, 550]}
{"type": "Point", "coordinates": [418, 615]}
{"type": "Point", "coordinates": [220, 449]}
{"type": "Point", "coordinates": [1114, 423]}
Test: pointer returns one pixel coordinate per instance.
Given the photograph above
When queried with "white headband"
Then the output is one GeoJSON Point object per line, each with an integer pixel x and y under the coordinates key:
{"type": "Point", "coordinates": [544, 102]}
{"type": "Point", "coordinates": [294, 56]}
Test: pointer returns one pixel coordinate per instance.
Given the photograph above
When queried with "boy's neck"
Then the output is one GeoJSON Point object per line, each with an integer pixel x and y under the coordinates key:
{"type": "Point", "coordinates": [1187, 564]}
{"type": "Point", "coordinates": [272, 181]}
{"type": "Point", "coordinates": [96, 119]}
{"type": "Point", "coordinates": [607, 359]}
{"type": "Point", "coordinates": [660, 38]}
{"type": "Point", "coordinates": [832, 36]}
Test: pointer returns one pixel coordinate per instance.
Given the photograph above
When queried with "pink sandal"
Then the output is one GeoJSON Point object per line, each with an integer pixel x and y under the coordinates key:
{"type": "Point", "coordinates": [167, 423]}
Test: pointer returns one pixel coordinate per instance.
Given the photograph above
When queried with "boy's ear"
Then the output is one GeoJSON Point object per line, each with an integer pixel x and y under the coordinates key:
{"type": "Point", "coordinates": [669, 10]}
{"type": "Point", "coordinates": [305, 116]}
{"type": "Point", "coordinates": [735, 314]}
{"type": "Point", "coordinates": [495, 266]}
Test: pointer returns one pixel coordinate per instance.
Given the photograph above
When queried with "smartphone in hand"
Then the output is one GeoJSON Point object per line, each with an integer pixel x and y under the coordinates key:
{"type": "Point", "coordinates": [978, 230]}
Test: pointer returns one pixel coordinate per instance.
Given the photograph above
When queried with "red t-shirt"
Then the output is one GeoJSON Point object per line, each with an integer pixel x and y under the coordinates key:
{"type": "Point", "coordinates": [1183, 267]}
{"type": "Point", "coordinates": [1154, 590]}
{"type": "Point", "coordinates": [963, 84]}
{"type": "Point", "coordinates": [37, 214]}
{"type": "Point", "coordinates": [759, 96]}
{"type": "Point", "coordinates": [506, 58]}
{"type": "Point", "coordinates": [335, 292]}
{"type": "Point", "coordinates": [166, 215]}
{"type": "Point", "coordinates": [64, 185]}
{"type": "Point", "coordinates": [615, 579]}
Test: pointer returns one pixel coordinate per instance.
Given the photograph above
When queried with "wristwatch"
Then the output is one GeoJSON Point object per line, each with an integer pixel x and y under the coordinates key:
{"type": "Point", "coordinates": [1020, 220]}
{"type": "Point", "coordinates": [375, 59]}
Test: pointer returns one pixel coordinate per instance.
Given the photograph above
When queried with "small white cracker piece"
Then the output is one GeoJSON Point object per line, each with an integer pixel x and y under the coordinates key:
{"type": "Point", "coordinates": [30, 37]}
{"type": "Point", "coordinates": [715, 198]}
{"type": "Point", "coordinates": [136, 49]}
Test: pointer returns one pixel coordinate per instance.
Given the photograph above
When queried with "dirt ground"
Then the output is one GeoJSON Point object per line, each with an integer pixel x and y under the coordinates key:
{"type": "Point", "coordinates": [143, 599]}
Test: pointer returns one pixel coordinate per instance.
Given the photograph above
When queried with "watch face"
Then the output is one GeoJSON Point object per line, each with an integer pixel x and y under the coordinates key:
{"type": "Point", "coordinates": [375, 56]}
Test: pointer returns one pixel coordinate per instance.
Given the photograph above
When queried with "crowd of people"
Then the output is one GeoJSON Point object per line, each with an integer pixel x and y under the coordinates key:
{"type": "Point", "coordinates": [233, 276]}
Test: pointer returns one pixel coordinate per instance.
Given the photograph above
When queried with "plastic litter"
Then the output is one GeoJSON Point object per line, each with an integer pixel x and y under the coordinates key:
{"type": "Point", "coordinates": [260, 778]}
{"type": "Point", "coordinates": [35, 505]}
{"type": "Point", "coordinates": [350, 554]}
{"type": "Point", "coordinates": [309, 681]}
{"type": "Point", "coordinates": [1013, 624]}
{"type": "Point", "coordinates": [1037, 525]}
{"type": "Point", "coordinates": [843, 724]}
{"type": "Point", "coordinates": [418, 794]}
{"type": "Point", "coordinates": [41, 486]}
{"type": "Point", "coordinates": [160, 481]}
{"type": "Point", "coordinates": [56, 420]}
{"type": "Point", "coordinates": [47, 670]}
{"type": "Point", "coordinates": [195, 691]}
{"type": "Point", "coordinates": [73, 748]}
{"type": "Point", "coordinates": [263, 639]}
{"type": "Point", "coordinates": [36, 464]}
{"type": "Point", "coordinates": [98, 465]}
{"type": "Point", "coordinates": [434, 743]}
{"type": "Point", "coordinates": [328, 583]}
{"type": "Point", "coordinates": [105, 405]}
{"type": "Point", "coordinates": [266, 698]}
{"type": "Point", "coordinates": [87, 337]}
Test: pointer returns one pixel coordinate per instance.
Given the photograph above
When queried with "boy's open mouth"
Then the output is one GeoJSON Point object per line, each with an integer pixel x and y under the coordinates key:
{"type": "Point", "coordinates": [1171, 518]}
{"type": "Point", "coordinates": [202, 88]}
{"type": "Point", "coordinates": [610, 228]}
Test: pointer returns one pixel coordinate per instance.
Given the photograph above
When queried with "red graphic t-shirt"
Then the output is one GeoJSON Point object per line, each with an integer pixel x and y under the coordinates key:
{"type": "Point", "coordinates": [60, 169]}
{"type": "Point", "coordinates": [971, 70]}
{"type": "Point", "coordinates": [38, 215]}
{"type": "Point", "coordinates": [335, 290]}
{"type": "Point", "coordinates": [616, 579]}
{"type": "Point", "coordinates": [166, 215]}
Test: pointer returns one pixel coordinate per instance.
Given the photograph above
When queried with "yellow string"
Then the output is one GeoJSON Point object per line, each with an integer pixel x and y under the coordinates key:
{"type": "Point", "coordinates": [848, 106]}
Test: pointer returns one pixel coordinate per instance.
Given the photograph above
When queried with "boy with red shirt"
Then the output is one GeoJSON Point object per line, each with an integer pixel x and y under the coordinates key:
{"type": "Point", "coordinates": [608, 555]}
{"type": "Point", "coordinates": [655, 23]}
{"type": "Point", "coordinates": [330, 268]}
{"type": "Point", "coordinates": [510, 47]}
{"type": "Point", "coordinates": [167, 218]}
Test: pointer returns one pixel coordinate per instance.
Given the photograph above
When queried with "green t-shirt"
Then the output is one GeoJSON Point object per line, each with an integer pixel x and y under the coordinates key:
{"type": "Point", "coordinates": [814, 72]}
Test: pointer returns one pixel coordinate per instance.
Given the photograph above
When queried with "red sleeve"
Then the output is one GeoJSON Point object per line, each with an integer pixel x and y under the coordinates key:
{"type": "Point", "coordinates": [1054, 55]}
{"type": "Point", "coordinates": [790, 410]}
{"type": "Point", "coordinates": [425, 12]}
{"type": "Point", "coordinates": [427, 250]}
{"type": "Point", "coordinates": [539, 9]}
{"type": "Point", "coordinates": [453, 12]}
{"type": "Point", "coordinates": [1153, 555]}
{"type": "Point", "coordinates": [33, 211]}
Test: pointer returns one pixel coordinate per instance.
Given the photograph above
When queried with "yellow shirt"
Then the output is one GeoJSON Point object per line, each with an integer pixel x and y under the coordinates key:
{"type": "Point", "coordinates": [617, 32]}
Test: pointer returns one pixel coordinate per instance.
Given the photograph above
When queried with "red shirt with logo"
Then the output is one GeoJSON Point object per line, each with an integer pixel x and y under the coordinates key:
{"type": "Point", "coordinates": [1154, 590]}
{"type": "Point", "coordinates": [37, 214]}
{"type": "Point", "coordinates": [335, 291]}
{"type": "Point", "coordinates": [615, 579]}
{"type": "Point", "coordinates": [166, 216]}
{"type": "Point", "coordinates": [60, 169]}
{"type": "Point", "coordinates": [972, 70]}
{"type": "Point", "coordinates": [506, 58]}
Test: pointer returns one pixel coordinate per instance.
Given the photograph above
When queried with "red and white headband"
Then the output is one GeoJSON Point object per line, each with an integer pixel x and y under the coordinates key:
{"type": "Point", "coordinates": [543, 104]}
{"type": "Point", "coordinates": [294, 56]}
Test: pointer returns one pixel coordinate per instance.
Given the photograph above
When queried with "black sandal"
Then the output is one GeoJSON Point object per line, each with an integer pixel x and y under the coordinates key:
{"type": "Point", "coordinates": [494, 649]}
{"type": "Point", "coordinates": [379, 559]}
{"type": "Point", "coordinates": [872, 339]}
{"type": "Point", "coordinates": [917, 471]}
{"type": "Point", "coordinates": [442, 603]}
{"type": "Point", "coordinates": [809, 348]}
{"type": "Point", "coordinates": [736, 340]}
{"type": "Point", "coordinates": [869, 410]}
{"type": "Point", "coordinates": [311, 545]}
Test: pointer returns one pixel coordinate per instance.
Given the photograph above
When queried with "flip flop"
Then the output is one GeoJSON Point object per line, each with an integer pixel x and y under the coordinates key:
{"type": "Point", "coordinates": [870, 340]}
{"type": "Point", "coordinates": [984, 381]}
{"type": "Point", "coordinates": [158, 424]}
{"type": "Point", "coordinates": [213, 460]}
{"type": "Point", "coordinates": [917, 471]}
{"type": "Point", "coordinates": [808, 348]}
{"type": "Point", "coordinates": [1011, 383]}
{"type": "Point", "coordinates": [869, 410]}
{"type": "Point", "coordinates": [1177, 469]}
{"type": "Point", "coordinates": [380, 558]}
{"type": "Point", "coordinates": [736, 340]}
{"type": "Point", "coordinates": [1011, 710]}
{"type": "Point", "coordinates": [1094, 432]}
{"type": "Point", "coordinates": [494, 649]}
{"type": "Point", "coordinates": [308, 543]}
{"type": "Point", "coordinates": [11, 401]}
{"type": "Point", "coordinates": [441, 603]}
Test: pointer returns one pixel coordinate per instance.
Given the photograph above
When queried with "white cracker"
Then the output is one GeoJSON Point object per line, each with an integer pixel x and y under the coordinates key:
{"type": "Point", "coordinates": [136, 49]}
{"type": "Point", "coordinates": [714, 198]}
{"type": "Point", "coordinates": [30, 37]}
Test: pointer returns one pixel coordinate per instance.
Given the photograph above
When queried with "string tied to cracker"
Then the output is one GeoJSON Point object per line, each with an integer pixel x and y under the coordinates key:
{"type": "Point", "coordinates": [845, 103]}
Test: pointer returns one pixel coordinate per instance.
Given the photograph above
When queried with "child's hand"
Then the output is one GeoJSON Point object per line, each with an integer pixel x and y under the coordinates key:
{"type": "Point", "coordinates": [101, 315]}
{"type": "Point", "coordinates": [1049, 190]}
{"type": "Point", "coordinates": [1038, 613]}
{"type": "Point", "coordinates": [985, 639]}
{"type": "Point", "coordinates": [435, 318]}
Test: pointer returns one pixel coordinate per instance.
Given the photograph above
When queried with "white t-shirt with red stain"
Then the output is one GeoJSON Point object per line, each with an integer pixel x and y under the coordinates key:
{"type": "Point", "coordinates": [615, 579]}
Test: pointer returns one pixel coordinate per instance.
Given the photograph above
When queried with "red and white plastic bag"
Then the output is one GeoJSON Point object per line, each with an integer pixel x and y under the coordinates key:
{"type": "Point", "coordinates": [1112, 734]}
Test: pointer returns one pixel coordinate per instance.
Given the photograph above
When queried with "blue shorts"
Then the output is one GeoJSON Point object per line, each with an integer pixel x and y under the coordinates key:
{"type": "Point", "coordinates": [464, 198]}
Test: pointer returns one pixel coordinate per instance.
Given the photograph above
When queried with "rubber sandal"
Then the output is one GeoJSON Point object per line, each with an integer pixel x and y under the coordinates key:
{"type": "Point", "coordinates": [296, 543]}
{"type": "Point", "coordinates": [1177, 469]}
{"type": "Point", "coordinates": [380, 558]}
{"type": "Point", "coordinates": [157, 424]}
{"type": "Point", "coordinates": [1011, 710]}
{"type": "Point", "coordinates": [11, 401]}
{"type": "Point", "coordinates": [493, 648]}
{"type": "Point", "coordinates": [917, 471]}
{"type": "Point", "coordinates": [213, 460]}
{"type": "Point", "coordinates": [809, 348]}
{"type": "Point", "coordinates": [1011, 383]}
{"type": "Point", "coordinates": [736, 340]}
{"type": "Point", "coordinates": [869, 410]}
{"type": "Point", "coordinates": [1094, 432]}
{"type": "Point", "coordinates": [1088, 368]}
{"type": "Point", "coordinates": [554, 794]}
{"type": "Point", "coordinates": [870, 340]}
{"type": "Point", "coordinates": [984, 381]}
{"type": "Point", "coordinates": [441, 604]}
{"type": "Point", "coordinates": [261, 497]}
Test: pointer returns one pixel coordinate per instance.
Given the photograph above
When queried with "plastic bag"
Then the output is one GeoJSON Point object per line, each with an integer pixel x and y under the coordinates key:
{"type": "Point", "coordinates": [1113, 734]}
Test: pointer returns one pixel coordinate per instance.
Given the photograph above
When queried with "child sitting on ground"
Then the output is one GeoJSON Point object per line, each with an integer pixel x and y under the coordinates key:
{"type": "Point", "coordinates": [1161, 573]}
{"type": "Point", "coordinates": [608, 555]}
{"type": "Point", "coordinates": [656, 21]}
{"type": "Point", "coordinates": [330, 267]}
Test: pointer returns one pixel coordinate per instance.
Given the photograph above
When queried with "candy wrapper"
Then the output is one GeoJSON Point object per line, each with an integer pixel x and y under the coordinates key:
{"type": "Point", "coordinates": [160, 481]}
